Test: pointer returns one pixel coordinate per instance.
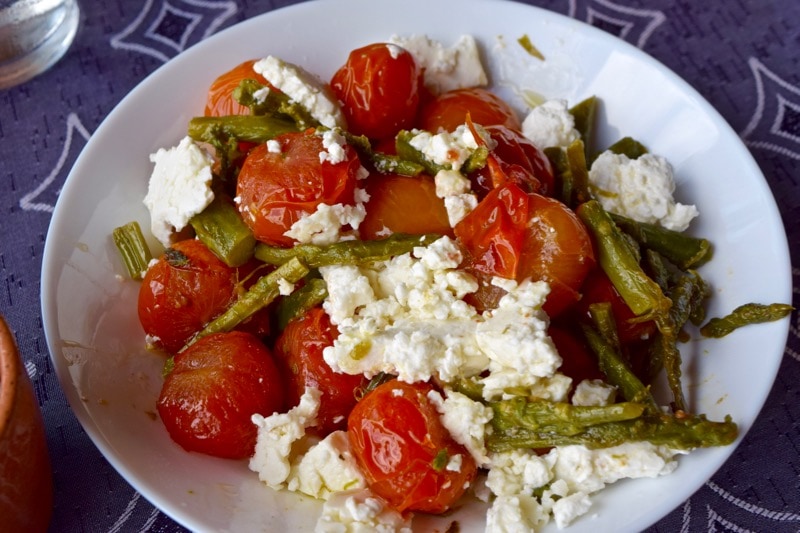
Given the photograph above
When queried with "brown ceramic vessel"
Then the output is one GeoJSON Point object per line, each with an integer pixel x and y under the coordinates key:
{"type": "Point", "coordinates": [26, 483]}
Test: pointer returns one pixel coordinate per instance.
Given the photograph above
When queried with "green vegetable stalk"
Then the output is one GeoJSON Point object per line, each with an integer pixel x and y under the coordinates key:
{"type": "Point", "coordinates": [743, 315]}
{"type": "Point", "coordinates": [133, 249]}
{"type": "Point", "coordinates": [220, 227]}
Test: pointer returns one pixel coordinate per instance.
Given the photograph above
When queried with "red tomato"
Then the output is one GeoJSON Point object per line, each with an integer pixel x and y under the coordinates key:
{"type": "Point", "coordinates": [186, 288]}
{"type": "Point", "coordinates": [379, 87]}
{"type": "Point", "coordinates": [215, 387]}
{"type": "Point", "coordinates": [402, 448]}
{"type": "Point", "coordinates": [403, 204]}
{"type": "Point", "coordinates": [277, 189]}
{"type": "Point", "coordinates": [598, 288]}
{"type": "Point", "coordinates": [449, 110]}
{"type": "Point", "coordinates": [299, 349]}
{"type": "Point", "coordinates": [519, 159]}
{"type": "Point", "coordinates": [557, 248]}
{"type": "Point", "coordinates": [220, 101]}
{"type": "Point", "coordinates": [579, 362]}
{"type": "Point", "coordinates": [492, 233]}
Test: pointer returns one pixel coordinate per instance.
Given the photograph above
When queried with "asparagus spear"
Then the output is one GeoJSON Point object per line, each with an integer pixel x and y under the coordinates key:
{"type": "Point", "coordinates": [256, 129]}
{"type": "Point", "coordinates": [222, 229]}
{"type": "Point", "coordinates": [559, 417]}
{"type": "Point", "coordinates": [311, 294]}
{"type": "Point", "coordinates": [344, 252]}
{"type": "Point", "coordinates": [261, 294]}
{"type": "Point", "coordinates": [619, 262]}
{"type": "Point", "coordinates": [584, 113]}
{"type": "Point", "coordinates": [132, 248]}
{"type": "Point", "coordinates": [752, 313]}
{"type": "Point", "coordinates": [684, 432]}
{"type": "Point", "coordinates": [683, 250]}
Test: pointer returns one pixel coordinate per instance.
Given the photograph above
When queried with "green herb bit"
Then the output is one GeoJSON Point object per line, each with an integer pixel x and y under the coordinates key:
{"type": "Point", "coordinates": [621, 265]}
{"type": "Point", "coordinates": [751, 313]}
{"type": "Point", "coordinates": [439, 462]}
{"type": "Point", "coordinates": [525, 42]}
{"type": "Point", "coordinates": [683, 250]}
{"type": "Point", "coordinates": [220, 227]}
{"type": "Point", "coordinates": [261, 294]}
{"type": "Point", "coordinates": [310, 295]}
{"type": "Point", "coordinates": [133, 249]}
{"type": "Point", "coordinates": [354, 252]}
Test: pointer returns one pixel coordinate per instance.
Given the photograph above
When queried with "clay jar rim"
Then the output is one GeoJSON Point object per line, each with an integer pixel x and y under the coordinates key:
{"type": "Point", "coordinates": [9, 372]}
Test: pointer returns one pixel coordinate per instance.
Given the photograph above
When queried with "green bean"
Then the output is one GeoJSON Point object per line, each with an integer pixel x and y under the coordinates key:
{"type": "Point", "coordinates": [683, 250]}
{"type": "Point", "coordinates": [751, 313]}
{"type": "Point", "coordinates": [344, 252]}
{"type": "Point", "coordinates": [132, 248]}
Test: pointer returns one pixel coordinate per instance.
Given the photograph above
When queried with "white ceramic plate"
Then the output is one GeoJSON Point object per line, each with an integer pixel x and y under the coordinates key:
{"type": "Point", "coordinates": [90, 311]}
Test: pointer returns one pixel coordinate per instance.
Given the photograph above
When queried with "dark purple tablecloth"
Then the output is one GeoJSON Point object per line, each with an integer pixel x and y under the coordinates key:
{"type": "Point", "coordinates": [742, 55]}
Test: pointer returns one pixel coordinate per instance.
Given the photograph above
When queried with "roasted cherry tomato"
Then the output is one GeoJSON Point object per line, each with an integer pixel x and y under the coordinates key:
{"type": "Point", "coordinates": [403, 204]}
{"type": "Point", "coordinates": [598, 288]}
{"type": "Point", "coordinates": [519, 159]}
{"type": "Point", "coordinates": [379, 89]}
{"type": "Point", "coordinates": [220, 101]}
{"type": "Point", "coordinates": [299, 352]}
{"type": "Point", "coordinates": [449, 110]}
{"type": "Point", "coordinates": [557, 248]}
{"type": "Point", "coordinates": [276, 189]}
{"type": "Point", "coordinates": [215, 387]}
{"type": "Point", "coordinates": [186, 288]}
{"type": "Point", "coordinates": [407, 456]}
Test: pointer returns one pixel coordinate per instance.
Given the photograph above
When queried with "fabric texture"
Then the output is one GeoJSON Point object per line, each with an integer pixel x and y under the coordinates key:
{"type": "Point", "coordinates": [741, 55]}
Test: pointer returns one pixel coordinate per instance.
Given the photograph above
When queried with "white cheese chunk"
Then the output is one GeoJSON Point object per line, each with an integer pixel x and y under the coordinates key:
{"type": "Point", "coordinates": [455, 189]}
{"type": "Point", "coordinates": [594, 392]}
{"type": "Point", "coordinates": [327, 224]}
{"type": "Point", "coordinates": [179, 188]}
{"type": "Point", "coordinates": [550, 124]}
{"type": "Point", "coordinates": [446, 69]}
{"type": "Point", "coordinates": [327, 467]}
{"type": "Point", "coordinates": [277, 434]}
{"type": "Point", "coordinates": [516, 514]}
{"type": "Point", "coordinates": [304, 88]}
{"type": "Point", "coordinates": [445, 148]}
{"type": "Point", "coordinates": [640, 189]}
{"type": "Point", "coordinates": [359, 511]}
{"type": "Point", "coordinates": [465, 420]}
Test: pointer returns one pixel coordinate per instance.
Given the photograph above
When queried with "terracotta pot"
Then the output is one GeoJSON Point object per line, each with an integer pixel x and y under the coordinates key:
{"type": "Point", "coordinates": [26, 482]}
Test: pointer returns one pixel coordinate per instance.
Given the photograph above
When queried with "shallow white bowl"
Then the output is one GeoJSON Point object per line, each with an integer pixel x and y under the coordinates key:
{"type": "Point", "coordinates": [89, 310]}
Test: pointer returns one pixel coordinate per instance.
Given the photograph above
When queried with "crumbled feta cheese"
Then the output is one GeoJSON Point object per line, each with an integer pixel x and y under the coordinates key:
{"type": "Point", "coordinates": [334, 142]}
{"type": "Point", "coordinates": [359, 511]}
{"type": "Point", "coordinates": [465, 420]}
{"type": "Point", "coordinates": [285, 288]}
{"type": "Point", "coordinates": [445, 148]}
{"type": "Point", "coordinates": [518, 472]}
{"type": "Point", "coordinates": [640, 189]}
{"type": "Point", "coordinates": [324, 226]}
{"type": "Point", "coordinates": [327, 467]}
{"type": "Point", "coordinates": [274, 147]}
{"type": "Point", "coordinates": [568, 508]}
{"type": "Point", "coordinates": [446, 69]}
{"type": "Point", "coordinates": [516, 514]}
{"type": "Point", "coordinates": [179, 188]}
{"type": "Point", "coordinates": [550, 124]}
{"type": "Point", "coordinates": [277, 434]}
{"type": "Point", "coordinates": [304, 88]}
{"type": "Point", "coordinates": [594, 392]}
{"type": "Point", "coordinates": [455, 189]}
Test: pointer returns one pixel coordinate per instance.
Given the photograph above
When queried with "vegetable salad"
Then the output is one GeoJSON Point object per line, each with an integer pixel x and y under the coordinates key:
{"type": "Point", "coordinates": [392, 292]}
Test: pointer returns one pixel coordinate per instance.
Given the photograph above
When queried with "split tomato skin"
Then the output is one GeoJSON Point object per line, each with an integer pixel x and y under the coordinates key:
{"type": "Point", "coordinates": [403, 204]}
{"type": "Point", "coordinates": [449, 110]}
{"type": "Point", "coordinates": [184, 290]}
{"type": "Point", "coordinates": [403, 449]}
{"type": "Point", "coordinates": [379, 88]}
{"type": "Point", "coordinates": [299, 353]}
{"type": "Point", "coordinates": [276, 189]}
{"type": "Point", "coordinates": [216, 385]}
